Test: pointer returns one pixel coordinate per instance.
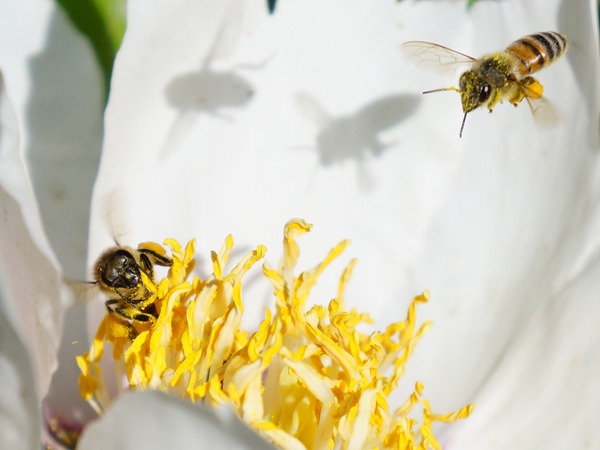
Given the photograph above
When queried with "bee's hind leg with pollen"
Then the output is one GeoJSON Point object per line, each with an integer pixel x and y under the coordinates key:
{"type": "Point", "coordinates": [533, 88]}
{"type": "Point", "coordinates": [127, 313]}
{"type": "Point", "coordinates": [527, 87]}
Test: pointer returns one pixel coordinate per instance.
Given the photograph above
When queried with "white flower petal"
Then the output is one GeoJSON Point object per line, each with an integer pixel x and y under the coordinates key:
{"type": "Point", "coordinates": [547, 383]}
{"type": "Point", "coordinates": [34, 296]}
{"type": "Point", "coordinates": [19, 407]}
{"type": "Point", "coordinates": [520, 221]}
{"type": "Point", "coordinates": [492, 223]}
{"type": "Point", "coordinates": [153, 420]}
{"type": "Point", "coordinates": [248, 166]}
{"type": "Point", "coordinates": [57, 93]}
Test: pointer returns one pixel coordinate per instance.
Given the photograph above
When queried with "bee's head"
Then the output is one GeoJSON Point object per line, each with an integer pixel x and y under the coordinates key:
{"type": "Point", "coordinates": [117, 268]}
{"type": "Point", "coordinates": [474, 91]}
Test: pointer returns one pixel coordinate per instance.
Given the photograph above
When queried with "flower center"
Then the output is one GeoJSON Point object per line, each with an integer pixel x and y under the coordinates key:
{"type": "Point", "coordinates": [306, 378]}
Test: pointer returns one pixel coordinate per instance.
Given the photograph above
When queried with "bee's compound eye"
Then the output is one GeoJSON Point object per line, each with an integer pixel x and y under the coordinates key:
{"type": "Point", "coordinates": [485, 92]}
{"type": "Point", "coordinates": [121, 271]}
{"type": "Point", "coordinates": [110, 275]}
{"type": "Point", "coordinates": [113, 268]}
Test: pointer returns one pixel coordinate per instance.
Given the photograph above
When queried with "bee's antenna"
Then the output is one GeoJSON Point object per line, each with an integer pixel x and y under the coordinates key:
{"type": "Point", "coordinates": [452, 88]}
{"type": "Point", "coordinates": [463, 125]}
{"type": "Point", "coordinates": [442, 89]}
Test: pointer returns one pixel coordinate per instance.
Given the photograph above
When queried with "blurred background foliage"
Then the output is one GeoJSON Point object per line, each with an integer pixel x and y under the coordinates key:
{"type": "Point", "coordinates": [103, 22]}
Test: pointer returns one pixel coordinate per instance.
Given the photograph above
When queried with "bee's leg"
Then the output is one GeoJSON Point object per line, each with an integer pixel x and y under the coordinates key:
{"type": "Point", "coordinates": [127, 299]}
{"type": "Point", "coordinates": [148, 258]}
{"type": "Point", "coordinates": [516, 97]}
{"type": "Point", "coordinates": [531, 88]}
{"type": "Point", "coordinates": [143, 303]}
{"type": "Point", "coordinates": [120, 311]}
{"type": "Point", "coordinates": [110, 302]}
{"type": "Point", "coordinates": [495, 98]}
{"type": "Point", "coordinates": [139, 306]}
{"type": "Point", "coordinates": [123, 314]}
{"type": "Point", "coordinates": [134, 314]}
{"type": "Point", "coordinates": [132, 333]}
{"type": "Point", "coordinates": [143, 317]}
{"type": "Point", "coordinates": [128, 313]}
{"type": "Point", "coordinates": [158, 259]}
{"type": "Point", "coordinates": [146, 266]}
{"type": "Point", "coordinates": [151, 309]}
{"type": "Point", "coordinates": [527, 87]}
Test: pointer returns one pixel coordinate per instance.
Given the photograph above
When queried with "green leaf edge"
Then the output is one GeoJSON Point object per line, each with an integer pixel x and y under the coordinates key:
{"type": "Point", "coordinates": [103, 24]}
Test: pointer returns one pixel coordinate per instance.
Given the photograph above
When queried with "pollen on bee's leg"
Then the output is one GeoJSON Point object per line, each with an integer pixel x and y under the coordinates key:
{"type": "Point", "coordinates": [532, 87]}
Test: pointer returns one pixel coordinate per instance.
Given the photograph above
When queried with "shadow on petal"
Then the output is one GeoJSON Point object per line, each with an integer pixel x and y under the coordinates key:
{"type": "Point", "coordinates": [208, 91]}
{"type": "Point", "coordinates": [356, 136]}
{"type": "Point", "coordinates": [64, 126]}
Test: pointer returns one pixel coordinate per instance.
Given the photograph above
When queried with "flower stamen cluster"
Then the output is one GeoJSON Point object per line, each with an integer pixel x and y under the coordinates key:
{"type": "Point", "coordinates": [306, 378]}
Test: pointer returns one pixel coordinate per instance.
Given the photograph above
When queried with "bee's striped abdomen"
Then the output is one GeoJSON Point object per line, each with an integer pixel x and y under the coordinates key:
{"type": "Point", "coordinates": [536, 51]}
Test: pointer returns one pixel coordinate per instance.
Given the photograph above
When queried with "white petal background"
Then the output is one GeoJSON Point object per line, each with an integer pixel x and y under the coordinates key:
{"type": "Point", "coordinates": [225, 120]}
{"type": "Point", "coordinates": [50, 131]}
{"type": "Point", "coordinates": [182, 425]}
{"type": "Point", "coordinates": [238, 121]}
{"type": "Point", "coordinates": [312, 113]}
{"type": "Point", "coordinates": [21, 388]}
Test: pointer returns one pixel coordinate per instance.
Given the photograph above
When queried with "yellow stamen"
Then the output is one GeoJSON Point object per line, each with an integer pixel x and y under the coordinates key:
{"type": "Point", "coordinates": [304, 379]}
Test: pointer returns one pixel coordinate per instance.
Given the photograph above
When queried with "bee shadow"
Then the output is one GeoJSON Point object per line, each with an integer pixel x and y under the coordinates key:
{"type": "Point", "coordinates": [204, 91]}
{"type": "Point", "coordinates": [208, 91]}
{"type": "Point", "coordinates": [63, 121]}
{"type": "Point", "coordinates": [356, 136]}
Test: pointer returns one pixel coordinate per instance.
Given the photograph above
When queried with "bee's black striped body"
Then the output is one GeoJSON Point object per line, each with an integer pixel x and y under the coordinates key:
{"type": "Point", "coordinates": [536, 51]}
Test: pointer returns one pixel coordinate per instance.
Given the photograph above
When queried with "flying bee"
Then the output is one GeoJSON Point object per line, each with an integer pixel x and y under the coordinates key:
{"type": "Point", "coordinates": [119, 270]}
{"type": "Point", "coordinates": [498, 76]}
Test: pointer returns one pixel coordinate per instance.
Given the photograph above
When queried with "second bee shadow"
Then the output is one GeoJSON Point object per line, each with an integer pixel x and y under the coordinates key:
{"type": "Point", "coordinates": [356, 136]}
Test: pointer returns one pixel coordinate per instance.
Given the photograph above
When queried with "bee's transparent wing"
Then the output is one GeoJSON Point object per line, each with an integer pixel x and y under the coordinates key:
{"type": "Point", "coordinates": [114, 214]}
{"type": "Point", "coordinates": [434, 56]}
{"type": "Point", "coordinates": [544, 113]}
{"type": "Point", "coordinates": [83, 291]}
